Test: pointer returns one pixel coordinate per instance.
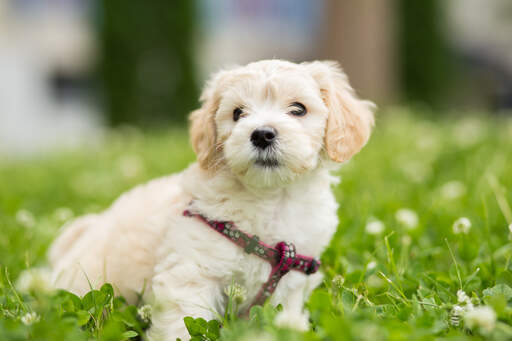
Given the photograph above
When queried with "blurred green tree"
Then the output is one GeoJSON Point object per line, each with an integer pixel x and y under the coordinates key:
{"type": "Point", "coordinates": [427, 68]}
{"type": "Point", "coordinates": [146, 69]}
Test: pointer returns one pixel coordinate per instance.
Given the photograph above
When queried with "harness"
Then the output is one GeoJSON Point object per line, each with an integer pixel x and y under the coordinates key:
{"type": "Point", "coordinates": [281, 257]}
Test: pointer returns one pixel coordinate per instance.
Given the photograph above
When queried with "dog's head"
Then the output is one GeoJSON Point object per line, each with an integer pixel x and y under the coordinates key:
{"type": "Point", "coordinates": [270, 121]}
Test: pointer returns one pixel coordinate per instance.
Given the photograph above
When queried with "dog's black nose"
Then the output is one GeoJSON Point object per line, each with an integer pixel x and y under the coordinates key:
{"type": "Point", "coordinates": [263, 137]}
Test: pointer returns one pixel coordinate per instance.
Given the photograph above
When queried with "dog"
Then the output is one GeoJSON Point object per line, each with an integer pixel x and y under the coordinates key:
{"type": "Point", "coordinates": [267, 137]}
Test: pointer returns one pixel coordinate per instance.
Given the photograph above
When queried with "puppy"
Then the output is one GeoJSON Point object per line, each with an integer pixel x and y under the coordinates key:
{"type": "Point", "coordinates": [266, 137]}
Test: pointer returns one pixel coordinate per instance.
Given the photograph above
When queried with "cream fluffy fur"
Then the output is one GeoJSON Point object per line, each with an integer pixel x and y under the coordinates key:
{"type": "Point", "coordinates": [143, 240]}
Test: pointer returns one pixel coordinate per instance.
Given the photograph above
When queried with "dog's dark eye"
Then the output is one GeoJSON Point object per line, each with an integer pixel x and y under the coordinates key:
{"type": "Point", "coordinates": [298, 109]}
{"type": "Point", "coordinates": [237, 113]}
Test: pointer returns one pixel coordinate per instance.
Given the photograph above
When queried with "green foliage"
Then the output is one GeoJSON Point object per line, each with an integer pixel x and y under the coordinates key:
{"type": "Point", "coordinates": [61, 315]}
{"type": "Point", "coordinates": [400, 283]}
{"type": "Point", "coordinates": [427, 66]}
{"type": "Point", "coordinates": [146, 67]}
{"type": "Point", "coordinates": [200, 330]}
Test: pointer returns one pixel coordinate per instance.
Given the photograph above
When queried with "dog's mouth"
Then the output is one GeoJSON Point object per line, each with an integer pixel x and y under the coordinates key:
{"type": "Point", "coordinates": [267, 162]}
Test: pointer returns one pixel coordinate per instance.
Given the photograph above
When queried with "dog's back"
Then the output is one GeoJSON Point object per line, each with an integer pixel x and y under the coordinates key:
{"type": "Point", "coordinates": [117, 245]}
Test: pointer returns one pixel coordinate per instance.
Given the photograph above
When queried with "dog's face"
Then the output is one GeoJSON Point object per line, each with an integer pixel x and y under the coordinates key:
{"type": "Point", "coordinates": [271, 121]}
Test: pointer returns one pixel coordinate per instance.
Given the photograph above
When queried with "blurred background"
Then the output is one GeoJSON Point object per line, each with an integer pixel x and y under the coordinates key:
{"type": "Point", "coordinates": [70, 69]}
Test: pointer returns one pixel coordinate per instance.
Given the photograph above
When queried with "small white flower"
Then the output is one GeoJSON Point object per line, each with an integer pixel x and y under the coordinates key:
{"type": "Point", "coordinates": [456, 314]}
{"type": "Point", "coordinates": [63, 214]}
{"type": "Point", "coordinates": [462, 297]}
{"type": "Point", "coordinates": [461, 225]}
{"type": "Point", "coordinates": [482, 316]}
{"type": "Point", "coordinates": [427, 143]}
{"type": "Point", "coordinates": [416, 171]}
{"type": "Point", "coordinates": [131, 166]}
{"type": "Point", "coordinates": [374, 227]}
{"type": "Point", "coordinates": [30, 318]}
{"type": "Point", "coordinates": [453, 190]}
{"type": "Point", "coordinates": [509, 129]}
{"type": "Point", "coordinates": [468, 132]}
{"type": "Point", "coordinates": [371, 265]}
{"type": "Point", "coordinates": [406, 240]}
{"type": "Point", "coordinates": [36, 279]}
{"type": "Point", "coordinates": [237, 292]}
{"type": "Point", "coordinates": [145, 312]}
{"type": "Point", "coordinates": [338, 281]}
{"type": "Point", "coordinates": [407, 217]}
{"type": "Point", "coordinates": [510, 228]}
{"type": "Point", "coordinates": [25, 218]}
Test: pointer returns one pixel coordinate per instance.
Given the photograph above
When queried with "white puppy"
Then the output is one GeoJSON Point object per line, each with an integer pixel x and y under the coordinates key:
{"type": "Point", "coordinates": [265, 137]}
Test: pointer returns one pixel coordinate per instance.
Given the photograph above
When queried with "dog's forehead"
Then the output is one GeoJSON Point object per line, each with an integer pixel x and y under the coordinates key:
{"type": "Point", "coordinates": [281, 81]}
{"type": "Point", "coordinates": [277, 72]}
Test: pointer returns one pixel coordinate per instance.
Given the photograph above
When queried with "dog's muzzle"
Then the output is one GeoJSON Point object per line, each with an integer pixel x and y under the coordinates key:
{"type": "Point", "coordinates": [263, 137]}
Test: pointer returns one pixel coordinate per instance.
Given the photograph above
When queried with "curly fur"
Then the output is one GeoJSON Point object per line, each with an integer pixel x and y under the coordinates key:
{"type": "Point", "coordinates": [143, 240]}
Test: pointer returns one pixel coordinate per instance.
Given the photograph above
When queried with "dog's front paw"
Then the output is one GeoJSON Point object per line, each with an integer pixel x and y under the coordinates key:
{"type": "Point", "coordinates": [297, 321]}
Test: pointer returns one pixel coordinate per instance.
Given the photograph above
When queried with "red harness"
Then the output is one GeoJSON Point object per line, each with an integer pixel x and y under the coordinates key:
{"type": "Point", "coordinates": [282, 257]}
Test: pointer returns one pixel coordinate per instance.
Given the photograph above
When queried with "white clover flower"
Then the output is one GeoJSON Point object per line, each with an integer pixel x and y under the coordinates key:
{"type": "Point", "coordinates": [453, 190]}
{"type": "Point", "coordinates": [237, 292]}
{"type": "Point", "coordinates": [427, 143]}
{"type": "Point", "coordinates": [30, 318]}
{"type": "Point", "coordinates": [372, 265]}
{"type": "Point", "coordinates": [483, 317]}
{"type": "Point", "coordinates": [407, 217]}
{"type": "Point", "coordinates": [145, 312]}
{"type": "Point", "coordinates": [456, 314]}
{"type": "Point", "coordinates": [25, 218]}
{"type": "Point", "coordinates": [462, 297]}
{"type": "Point", "coordinates": [416, 171]}
{"type": "Point", "coordinates": [37, 279]}
{"type": "Point", "coordinates": [131, 166]}
{"type": "Point", "coordinates": [374, 227]}
{"type": "Point", "coordinates": [468, 132]}
{"type": "Point", "coordinates": [63, 214]}
{"type": "Point", "coordinates": [406, 240]}
{"type": "Point", "coordinates": [460, 310]}
{"type": "Point", "coordinates": [461, 225]}
{"type": "Point", "coordinates": [509, 129]}
{"type": "Point", "coordinates": [338, 282]}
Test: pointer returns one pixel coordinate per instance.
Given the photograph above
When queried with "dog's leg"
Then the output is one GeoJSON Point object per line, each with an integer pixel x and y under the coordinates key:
{"type": "Point", "coordinates": [182, 289]}
{"type": "Point", "coordinates": [293, 315]}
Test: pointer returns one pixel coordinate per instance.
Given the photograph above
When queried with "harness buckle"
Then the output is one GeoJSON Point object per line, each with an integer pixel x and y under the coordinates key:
{"type": "Point", "coordinates": [286, 256]}
{"type": "Point", "coordinates": [313, 267]}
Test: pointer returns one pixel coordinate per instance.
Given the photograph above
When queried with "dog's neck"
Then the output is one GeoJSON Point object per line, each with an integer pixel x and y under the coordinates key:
{"type": "Point", "coordinates": [262, 211]}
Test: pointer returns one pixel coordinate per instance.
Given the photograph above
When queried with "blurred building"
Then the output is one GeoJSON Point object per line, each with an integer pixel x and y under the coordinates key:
{"type": "Point", "coordinates": [69, 66]}
{"type": "Point", "coordinates": [481, 33]}
{"type": "Point", "coordinates": [47, 51]}
{"type": "Point", "coordinates": [362, 36]}
{"type": "Point", "coordinates": [357, 33]}
{"type": "Point", "coordinates": [243, 31]}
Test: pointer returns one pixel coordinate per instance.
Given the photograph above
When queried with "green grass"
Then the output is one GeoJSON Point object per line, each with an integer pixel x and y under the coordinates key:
{"type": "Point", "coordinates": [399, 284]}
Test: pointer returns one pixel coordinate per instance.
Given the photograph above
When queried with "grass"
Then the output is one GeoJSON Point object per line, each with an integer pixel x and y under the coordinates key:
{"type": "Point", "coordinates": [388, 277]}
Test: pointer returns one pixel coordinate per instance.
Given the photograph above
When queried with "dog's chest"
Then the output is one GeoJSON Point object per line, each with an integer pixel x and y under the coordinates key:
{"type": "Point", "coordinates": [306, 219]}
{"type": "Point", "coordinates": [300, 228]}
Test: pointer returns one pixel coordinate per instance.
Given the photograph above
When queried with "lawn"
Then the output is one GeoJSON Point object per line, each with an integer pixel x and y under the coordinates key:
{"type": "Point", "coordinates": [422, 251]}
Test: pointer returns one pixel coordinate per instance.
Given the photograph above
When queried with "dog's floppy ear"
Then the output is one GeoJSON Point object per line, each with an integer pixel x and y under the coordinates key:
{"type": "Point", "coordinates": [202, 122]}
{"type": "Point", "coordinates": [350, 119]}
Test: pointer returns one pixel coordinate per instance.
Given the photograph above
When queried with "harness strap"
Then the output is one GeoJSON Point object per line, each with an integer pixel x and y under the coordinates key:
{"type": "Point", "coordinates": [282, 257]}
